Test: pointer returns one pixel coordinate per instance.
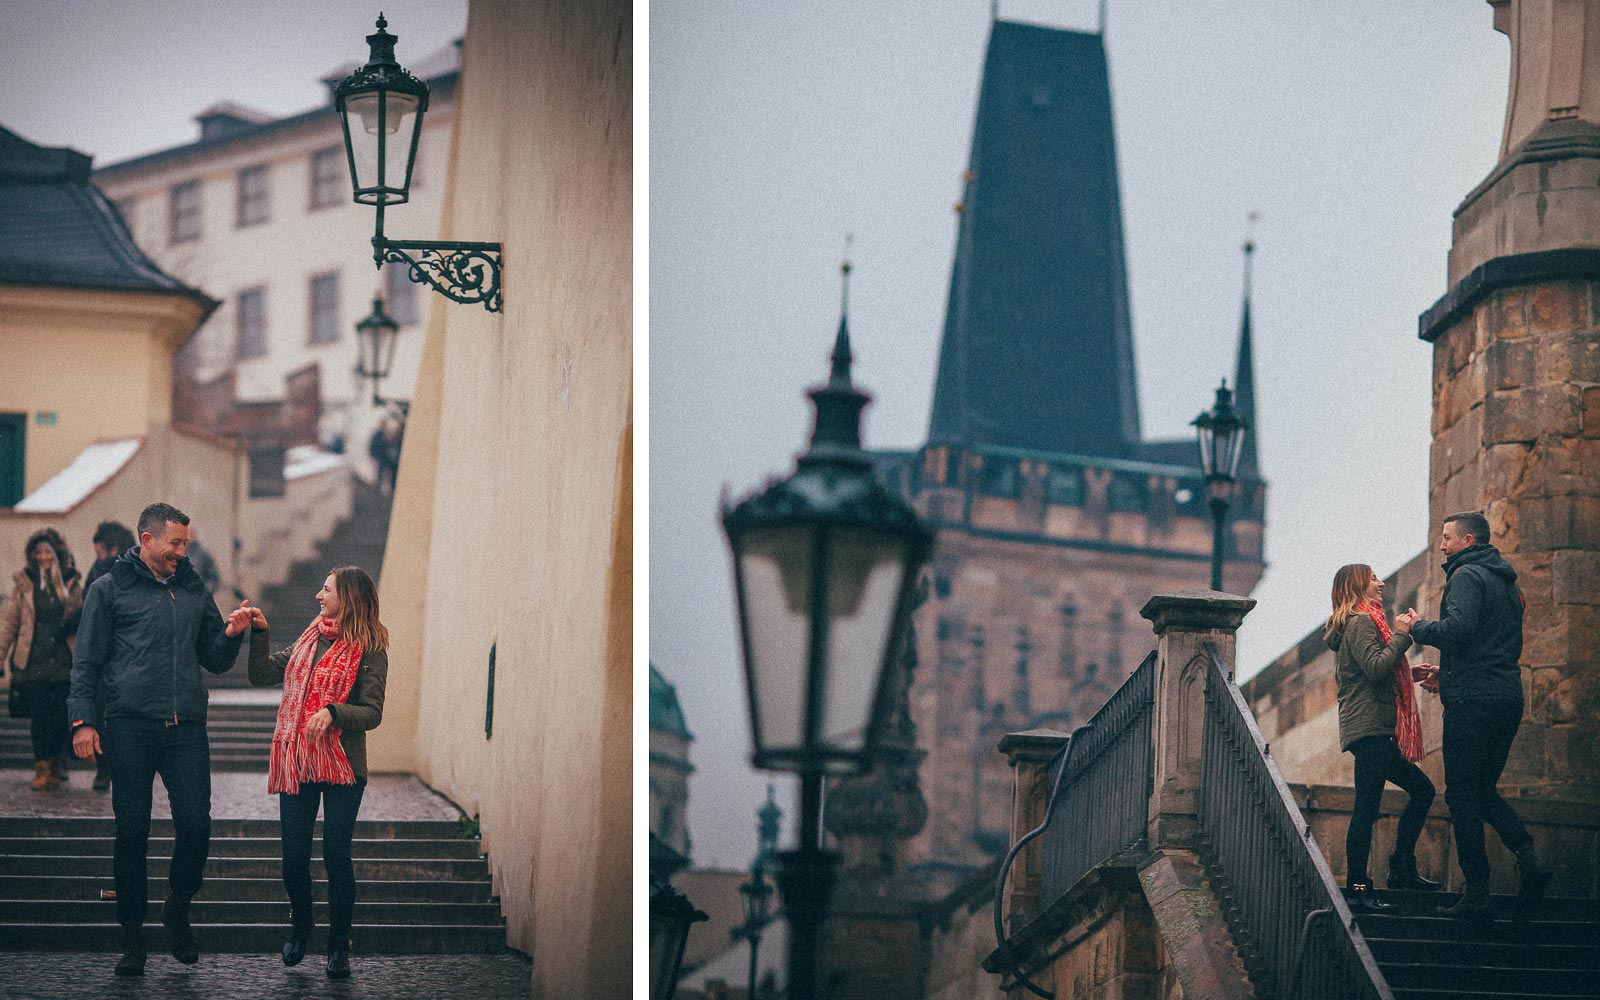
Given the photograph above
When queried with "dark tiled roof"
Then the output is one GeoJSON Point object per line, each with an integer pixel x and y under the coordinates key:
{"type": "Point", "coordinates": [665, 712]}
{"type": "Point", "coordinates": [1038, 348]}
{"type": "Point", "coordinates": [58, 230]}
{"type": "Point", "coordinates": [1184, 451]}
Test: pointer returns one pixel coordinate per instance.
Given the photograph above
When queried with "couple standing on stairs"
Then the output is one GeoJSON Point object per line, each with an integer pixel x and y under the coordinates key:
{"type": "Point", "coordinates": [148, 628]}
{"type": "Point", "coordinates": [1478, 680]}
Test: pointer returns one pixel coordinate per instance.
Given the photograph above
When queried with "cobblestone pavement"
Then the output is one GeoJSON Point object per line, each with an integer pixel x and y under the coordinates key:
{"type": "Point", "coordinates": [233, 796]}
{"type": "Point", "coordinates": [76, 976]}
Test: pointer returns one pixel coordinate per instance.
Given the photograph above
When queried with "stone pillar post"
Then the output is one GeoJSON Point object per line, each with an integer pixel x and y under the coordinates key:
{"type": "Point", "coordinates": [1029, 755]}
{"type": "Point", "coordinates": [1184, 622]}
{"type": "Point", "coordinates": [1516, 382]}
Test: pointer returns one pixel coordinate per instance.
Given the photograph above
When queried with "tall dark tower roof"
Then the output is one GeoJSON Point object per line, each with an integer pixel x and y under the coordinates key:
{"type": "Point", "coordinates": [1038, 348]}
{"type": "Point", "coordinates": [1244, 378]}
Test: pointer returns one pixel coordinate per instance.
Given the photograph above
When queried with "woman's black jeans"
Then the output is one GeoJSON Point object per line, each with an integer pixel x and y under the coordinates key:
{"type": "Point", "coordinates": [297, 814]}
{"type": "Point", "coordinates": [1378, 760]}
{"type": "Point", "coordinates": [47, 711]}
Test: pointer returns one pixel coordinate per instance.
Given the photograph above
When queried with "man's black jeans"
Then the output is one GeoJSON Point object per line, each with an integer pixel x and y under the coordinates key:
{"type": "Point", "coordinates": [297, 814]}
{"type": "Point", "coordinates": [137, 750]}
{"type": "Point", "coordinates": [1477, 741]}
{"type": "Point", "coordinates": [1378, 760]}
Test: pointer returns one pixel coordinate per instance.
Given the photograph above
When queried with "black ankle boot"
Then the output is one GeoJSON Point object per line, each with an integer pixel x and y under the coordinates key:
{"type": "Point", "coordinates": [1532, 882]}
{"type": "Point", "coordinates": [295, 950]}
{"type": "Point", "coordinates": [1403, 875]}
{"type": "Point", "coordinates": [133, 954]}
{"type": "Point", "coordinates": [1363, 900]}
{"type": "Point", "coordinates": [1474, 904]}
{"type": "Point", "coordinates": [175, 918]}
{"type": "Point", "coordinates": [338, 958]}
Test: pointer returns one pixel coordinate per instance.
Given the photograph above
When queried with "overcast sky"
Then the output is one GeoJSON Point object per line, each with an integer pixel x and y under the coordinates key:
{"type": "Point", "coordinates": [118, 78]}
{"type": "Point", "coordinates": [1354, 129]}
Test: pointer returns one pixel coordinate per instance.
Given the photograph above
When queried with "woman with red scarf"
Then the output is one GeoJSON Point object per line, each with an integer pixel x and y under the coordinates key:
{"type": "Point", "coordinates": [333, 679]}
{"type": "Point", "coordinates": [1380, 726]}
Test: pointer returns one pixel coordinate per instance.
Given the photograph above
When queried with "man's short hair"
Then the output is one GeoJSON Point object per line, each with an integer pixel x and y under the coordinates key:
{"type": "Point", "coordinates": [154, 518]}
{"type": "Point", "coordinates": [1471, 523]}
{"type": "Point", "coordinates": [114, 535]}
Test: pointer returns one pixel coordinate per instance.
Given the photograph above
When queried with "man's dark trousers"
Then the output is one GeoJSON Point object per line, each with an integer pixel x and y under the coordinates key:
{"type": "Point", "coordinates": [1477, 740]}
{"type": "Point", "coordinates": [137, 750]}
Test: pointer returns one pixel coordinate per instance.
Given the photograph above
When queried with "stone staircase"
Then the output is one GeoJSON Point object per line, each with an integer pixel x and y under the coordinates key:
{"type": "Point", "coordinates": [422, 888]}
{"type": "Point", "coordinates": [1550, 953]}
{"type": "Point", "coordinates": [241, 736]}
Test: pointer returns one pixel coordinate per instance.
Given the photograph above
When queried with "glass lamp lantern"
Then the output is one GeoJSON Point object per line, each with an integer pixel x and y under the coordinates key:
{"type": "Point", "coordinates": [376, 337]}
{"type": "Point", "coordinates": [1221, 433]}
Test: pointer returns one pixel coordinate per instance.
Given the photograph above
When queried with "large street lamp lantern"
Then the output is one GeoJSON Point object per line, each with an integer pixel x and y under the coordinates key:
{"type": "Point", "coordinates": [375, 337]}
{"type": "Point", "coordinates": [671, 916]}
{"type": "Point", "coordinates": [381, 106]}
{"type": "Point", "coordinates": [1221, 432]}
{"type": "Point", "coordinates": [824, 563]}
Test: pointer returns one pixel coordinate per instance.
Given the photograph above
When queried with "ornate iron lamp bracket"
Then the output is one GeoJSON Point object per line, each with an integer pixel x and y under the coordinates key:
{"type": "Point", "coordinates": [462, 272]}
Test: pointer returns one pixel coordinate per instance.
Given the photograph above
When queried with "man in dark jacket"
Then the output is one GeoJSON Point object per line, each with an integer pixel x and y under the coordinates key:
{"type": "Point", "coordinates": [148, 628]}
{"type": "Point", "coordinates": [1479, 637]}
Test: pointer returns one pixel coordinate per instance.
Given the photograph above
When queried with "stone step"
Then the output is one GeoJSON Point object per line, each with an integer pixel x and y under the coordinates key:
{"type": "Point", "coordinates": [366, 829]}
{"type": "Point", "coordinates": [207, 912]}
{"type": "Point", "coordinates": [224, 866]}
{"type": "Point", "coordinates": [232, 763]}
{"type": "Point", "coordinates": [1430, 928]}
{"type": "Point", "coordinates": [1549, 908]}
{"type": "Point", "coordinates": [244, 847]}
{"type": "Point", "coordinates": [1481, 995]}
{"type": "Point", "coordinates": [260, 938]}
{"type": "Point", "coordinates": [78, 887]}
{"type": "Point", "coordinates": [1530, 954]}
{"type": "Point", "coordinates": [1478, 977]}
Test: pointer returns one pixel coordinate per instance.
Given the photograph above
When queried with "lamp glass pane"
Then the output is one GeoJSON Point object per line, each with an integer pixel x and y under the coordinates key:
{"type": "Point", "coordinates": [1207, 466]}
{"type": "Point", "coordinates": [1225, 441]}
{"type": "Point", "coordinates": [1235, 449]}
{"type": "Point", "coordinates": [864, 574]}
{"type": "Point", "coordinates": [360, 111]}
{"type": "Point", "coordinates": [776, 566]}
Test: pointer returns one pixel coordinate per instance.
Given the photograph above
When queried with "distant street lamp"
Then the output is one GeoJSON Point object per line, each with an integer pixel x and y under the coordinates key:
{"type": "Point", "coordinates": [1221, 432]}
{"type": "Point", "coordinates": [824, 563]}
{"type": "Point", "coordinates": [388, 104]}
{"type": "Point", "coordinates": [757, 897]}
{"type": "Point", "coordinates": [375, 337]}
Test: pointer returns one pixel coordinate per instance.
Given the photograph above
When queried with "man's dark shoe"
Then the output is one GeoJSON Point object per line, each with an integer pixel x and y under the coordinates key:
{"type": "Point", "coordinates": [1403, 875]}
{"type": "Point", "coordinates": [338, 959]}
{"type": "Point", "coordinates": [1532, 881]}
{"type": "Point", "coordinates": [295, 950]}
{"type": "Point", "coordinates": [175, 918]}
{"type": "Point", "coordinates": [1363, 899]}
{"type": "Point", "coordinates": [133, 954]}
{"type": "Point", "coordinates": [1473, 905]}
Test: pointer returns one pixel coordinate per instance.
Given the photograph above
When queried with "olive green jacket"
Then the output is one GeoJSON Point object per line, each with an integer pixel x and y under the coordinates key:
{"type": "Point", "coordinates": [361, 711]}
{"type": "Point", "coordinates": [1365, 674]}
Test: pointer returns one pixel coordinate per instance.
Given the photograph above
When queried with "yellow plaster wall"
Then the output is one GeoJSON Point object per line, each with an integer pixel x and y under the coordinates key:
{"type": "Point", "coordinates": [101, 361]}
{"type": "Point", "coordinates": [514, 507]}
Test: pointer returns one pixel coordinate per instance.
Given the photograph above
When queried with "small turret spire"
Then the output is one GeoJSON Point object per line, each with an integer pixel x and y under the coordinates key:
{"type": "Point", "coordinates": [1244, 380]}
{"type": "Point", "coordinates": [840, 373]}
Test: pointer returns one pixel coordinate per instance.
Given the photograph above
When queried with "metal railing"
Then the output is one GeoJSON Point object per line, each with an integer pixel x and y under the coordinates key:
{"type": "Point", "coordinates": [1284, 909]}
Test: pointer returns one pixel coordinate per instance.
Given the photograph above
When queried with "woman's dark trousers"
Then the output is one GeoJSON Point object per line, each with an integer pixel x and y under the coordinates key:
{"type": "Point", "coordinates": [47, 708]}
{"type": "Point", "coordinates": [138, 750]}
{"type": "Point", "coordinates": [1378, 760]}
{"type": "Point", "coordinates": [1477, 741]}
{"type": "Point", "coordinates": [297, 814]}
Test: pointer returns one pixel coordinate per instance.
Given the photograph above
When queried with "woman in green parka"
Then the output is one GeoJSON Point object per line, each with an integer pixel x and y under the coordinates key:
{"type": "Point", "coordinates": [1380, 726]}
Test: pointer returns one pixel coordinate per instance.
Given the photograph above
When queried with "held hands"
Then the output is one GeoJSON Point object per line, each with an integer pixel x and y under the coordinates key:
{"type": "Point", "coordinates": [1406, 619]}
{"type": "Point", "coordinates": [318, 724]}
{"type": "Point", "coordinates": [239, 619]}
{"type": "Point", "coordinates": [1427, 675]}
{"type": "Point", "coordinates": [86, 742]}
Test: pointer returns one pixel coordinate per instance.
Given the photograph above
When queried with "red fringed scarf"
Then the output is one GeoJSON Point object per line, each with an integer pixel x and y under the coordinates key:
{"type": "Point", "coordinates": [309, 686]}
{"type": "Point", "coordinates": [1408, 721]}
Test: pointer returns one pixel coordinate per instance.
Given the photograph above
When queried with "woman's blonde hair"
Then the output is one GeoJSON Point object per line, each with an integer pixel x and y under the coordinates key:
{"type": "Point", "coordinates": [358, 609]}
{"type": "Point", "coordinates": [52, 577]}
{"type": "Point", "coordinates": [1349, 594]}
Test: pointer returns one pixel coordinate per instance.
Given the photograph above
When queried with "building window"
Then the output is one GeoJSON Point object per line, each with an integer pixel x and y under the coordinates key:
{"type": "Point", "coordinates": [325, 308]}
{"type": "Point", "coordinates": [254, 196]}
{"type": "Point", "coordinates": [252, 319]}
{"type": "Point", "coordinates": [1126, 494]}
{"type": "Point", "coordinates": [185, 200]}
{"type": "Point", "coordinates": [399, 294]}
{"type": "Point", "coordinates": [1065, 486]}
{"type": "Point", "coordinates": [327, 177]}
{"type": "Point", "coordinates": [1000, 479]}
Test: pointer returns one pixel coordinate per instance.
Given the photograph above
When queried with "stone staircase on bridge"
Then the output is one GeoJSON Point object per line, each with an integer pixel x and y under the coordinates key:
{"type": "Point", "coordinates": [1552, 952]}
{"type": "Point", "coordinates": [241, 736]}
{"type": "Point", "coordinates": [422, 888]}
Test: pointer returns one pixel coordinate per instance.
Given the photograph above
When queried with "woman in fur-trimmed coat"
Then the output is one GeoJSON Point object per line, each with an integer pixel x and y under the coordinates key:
{"type": "Point", "coordinates": [36, 649]}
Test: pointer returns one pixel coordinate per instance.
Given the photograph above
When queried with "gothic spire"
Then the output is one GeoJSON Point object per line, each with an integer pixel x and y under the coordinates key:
{"type": "Point", "coordinates": [1244, 378]}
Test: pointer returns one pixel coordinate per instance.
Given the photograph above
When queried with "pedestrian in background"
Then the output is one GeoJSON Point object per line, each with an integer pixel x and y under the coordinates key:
{"type": "Point", "coordinates": [333, 680]}
{"type": "Point", "coordinates": [45, 593]}
{"type": "Point", "coordinates": [111, 539]}
{"type": "Point", "coordinates": [1380, 726]}
{"type": "Point", "coordinates": [148, 629]}
{"type": "Point", "coordinates": [385, 450]}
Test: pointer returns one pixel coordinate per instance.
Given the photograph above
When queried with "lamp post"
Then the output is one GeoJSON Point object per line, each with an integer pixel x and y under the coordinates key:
{"type": "Point", "coordinates": [824, 563]}
{"type": "Point", "coordinates": [757, 897]}
{"type": "Point", "coordinates": [387, 104]}
{"type": "Point", "coordinates": [671, 915]}
{"type": "Point", "coordinates": [375, 337]}
{"type": "Point", "coordinates": [1221, 433]}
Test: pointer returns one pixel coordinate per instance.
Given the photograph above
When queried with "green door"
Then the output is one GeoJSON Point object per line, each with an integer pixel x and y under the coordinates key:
{"type": "Point", "coordinates": [13, 436]}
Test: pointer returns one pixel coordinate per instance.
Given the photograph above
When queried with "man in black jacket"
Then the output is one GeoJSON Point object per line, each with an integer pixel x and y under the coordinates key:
{"type": "Point", "coordinates": [148, 628]}
{"type": "Point", "coordinates": [1479, 637]}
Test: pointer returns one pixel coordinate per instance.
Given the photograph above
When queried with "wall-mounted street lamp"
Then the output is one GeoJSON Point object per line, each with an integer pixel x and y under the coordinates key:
{"type": "Point", "coordinates": [1221, 432]}
{"type": "Point", "coordinates": [824, 564]}
{"type": "Point", "coordinates": [375, 338]}
{"type": "Point", "coordinates": [381, 106]}
{"type": "Point", "coordinates": [671, 916]}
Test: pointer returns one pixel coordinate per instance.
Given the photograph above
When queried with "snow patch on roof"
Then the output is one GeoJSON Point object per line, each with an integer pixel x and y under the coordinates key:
{"type": "Point", "coordinates": [307, 460]}
{"type": "Point", "coordinates": [71, 486]}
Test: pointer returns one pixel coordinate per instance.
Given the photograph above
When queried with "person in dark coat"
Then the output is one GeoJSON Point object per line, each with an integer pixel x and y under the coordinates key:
{"type": "Point", "coordinates": [1479, 637]}
{"type": "Point", "coordinates": [46, 592]}
{"type": "Point", "coordinates": [148, 629]}
{"type": "Point", "coordinates": [111, 539]}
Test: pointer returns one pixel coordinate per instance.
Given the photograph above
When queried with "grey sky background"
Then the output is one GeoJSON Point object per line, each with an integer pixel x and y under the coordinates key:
{"type": "Point", "coordinates": [119, 78]}
{"type": "Point", "coordinates": [1354, 129]}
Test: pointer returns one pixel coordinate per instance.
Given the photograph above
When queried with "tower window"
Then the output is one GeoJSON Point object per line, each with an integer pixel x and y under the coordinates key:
{"type": "Point", "coordinates": [1065, 486]}
{"type": "Point", "coordinates": [1000, 479]}
{"type": "Point", "coordinates": [1126, 494]}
